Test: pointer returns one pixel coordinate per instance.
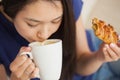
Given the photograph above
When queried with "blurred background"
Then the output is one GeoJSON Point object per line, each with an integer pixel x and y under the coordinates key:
{"type": "Point", "coordinates": [106, 10]}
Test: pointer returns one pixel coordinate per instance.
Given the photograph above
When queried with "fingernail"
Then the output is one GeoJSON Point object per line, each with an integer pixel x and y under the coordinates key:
{"type": "Point", "coordinates": [28, 48]}
{"type": "Point", "coordinates": [24, 47]}
{"type": "Point", "coordinates": [112, 45]}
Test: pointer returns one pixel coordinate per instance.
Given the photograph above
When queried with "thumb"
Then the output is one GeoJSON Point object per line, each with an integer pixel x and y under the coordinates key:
{"type": "Point", "coordinates": [24, 49]}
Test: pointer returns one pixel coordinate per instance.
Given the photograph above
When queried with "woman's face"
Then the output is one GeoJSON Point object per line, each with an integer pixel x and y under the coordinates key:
{"type": "Point", "coordinates": [39, 20]}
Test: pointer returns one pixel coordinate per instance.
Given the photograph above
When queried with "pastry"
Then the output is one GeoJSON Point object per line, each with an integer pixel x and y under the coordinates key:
{"type": "Point", "coordinates": [104, 32]}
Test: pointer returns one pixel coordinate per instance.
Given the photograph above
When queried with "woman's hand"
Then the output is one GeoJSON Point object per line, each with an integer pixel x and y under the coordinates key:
{"type": "Point", "coordinates": [22, 67]}
{"type": "Point", "coordinates": [109, 52]}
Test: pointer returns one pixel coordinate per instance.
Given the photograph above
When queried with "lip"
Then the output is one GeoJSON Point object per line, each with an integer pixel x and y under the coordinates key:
{"type": "Point", "coordinates": [40, 40]}
{"type": "Point", "coordinates": [36, 39]}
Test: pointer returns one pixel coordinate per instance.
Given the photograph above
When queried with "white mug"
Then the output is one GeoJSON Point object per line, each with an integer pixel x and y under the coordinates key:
{"type": "Point", "coordinates": [48, 57]}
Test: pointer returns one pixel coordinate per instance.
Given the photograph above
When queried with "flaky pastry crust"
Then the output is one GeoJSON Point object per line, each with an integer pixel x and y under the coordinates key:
{"type": "Point", "coordinates": [104, 32]}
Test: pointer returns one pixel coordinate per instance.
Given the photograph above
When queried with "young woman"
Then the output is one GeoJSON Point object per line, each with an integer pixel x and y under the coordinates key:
{"type": "Point", "coordinates": [25, 21]}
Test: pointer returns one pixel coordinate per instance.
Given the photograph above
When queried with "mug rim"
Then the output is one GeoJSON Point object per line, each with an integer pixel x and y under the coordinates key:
{"type": "Point", "coordinates": [36, 42]}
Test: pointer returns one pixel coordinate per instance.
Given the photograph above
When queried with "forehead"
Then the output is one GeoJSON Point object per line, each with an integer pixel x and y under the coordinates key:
{"type": "Point", "coordinates": [43, 9]}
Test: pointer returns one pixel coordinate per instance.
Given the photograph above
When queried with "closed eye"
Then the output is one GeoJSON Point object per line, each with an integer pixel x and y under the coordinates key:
{"type": "Point", "coordinates": [32, 25]}
{"type": "Point", "coordinates": [57, 21]}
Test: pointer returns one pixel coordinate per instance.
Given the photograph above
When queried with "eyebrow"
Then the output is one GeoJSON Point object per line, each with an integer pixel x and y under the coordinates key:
{"type": "Point", "coordinates": [57, 18]}
{"type": "Point", "coordinates": [34, 20]}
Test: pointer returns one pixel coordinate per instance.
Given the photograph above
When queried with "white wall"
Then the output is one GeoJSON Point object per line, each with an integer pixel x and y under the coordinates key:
{"type": "Point", "coordinates": [107, 10]}
{"type": "Point", "coordinates": [88, 6]}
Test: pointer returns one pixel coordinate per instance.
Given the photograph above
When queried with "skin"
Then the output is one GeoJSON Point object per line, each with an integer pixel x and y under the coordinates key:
{"type": "Point", "coordinates": [36, 23]}
{"type": "Point", "coordinates": [2, 73]}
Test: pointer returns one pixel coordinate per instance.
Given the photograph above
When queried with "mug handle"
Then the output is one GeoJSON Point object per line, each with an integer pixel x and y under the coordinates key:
{"type": "Point", "coordinates": [29, 54]}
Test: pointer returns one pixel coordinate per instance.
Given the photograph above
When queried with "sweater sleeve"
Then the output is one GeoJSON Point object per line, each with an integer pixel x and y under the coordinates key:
{"type": "Point", "coordinates": [77, 8]}
{"type": "Point", "coordinates": [35, 79]}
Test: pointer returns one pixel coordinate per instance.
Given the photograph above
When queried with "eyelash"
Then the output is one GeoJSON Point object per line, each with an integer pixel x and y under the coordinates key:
{"type": "Point", "coordinates": [55, 22]}
{"type": "Point", "coordinates": [31, 25]}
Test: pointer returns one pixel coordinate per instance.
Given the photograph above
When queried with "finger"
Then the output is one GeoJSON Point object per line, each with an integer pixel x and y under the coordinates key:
{"type": "Point", "coordinates": [35, 73]}
{"type": "Point", "coordinates": [24, 49]}
{"type": "Point", "coordinates": [30, 68]}
{"type": "Point", "coordinates": [23, 67]}
{"type": "Point", "coordinates": [17, 62]}
{"type": "Point", "coordinates": [25, 77]}
{"type": "Point", "coordinates": [28, 72]}
{"type": "Point", "coordinates": [115, 48]}
{"type": "Point", "coordinates": [112, 53]}
{"type": "Point", "coordinates": [106, 55]}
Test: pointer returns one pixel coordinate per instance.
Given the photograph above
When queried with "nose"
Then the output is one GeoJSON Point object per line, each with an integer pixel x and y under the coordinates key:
{"type": "Point", "coordinates": [43, 33]}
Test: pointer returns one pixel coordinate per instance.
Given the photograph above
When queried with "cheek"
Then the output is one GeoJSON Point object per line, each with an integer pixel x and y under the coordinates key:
{"type": "Point", "coordinates": [20, 27]}
{"type": "Point", "coordinates": [23, 29]}
{"type": "Point", "coordinates": [24, 33]}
